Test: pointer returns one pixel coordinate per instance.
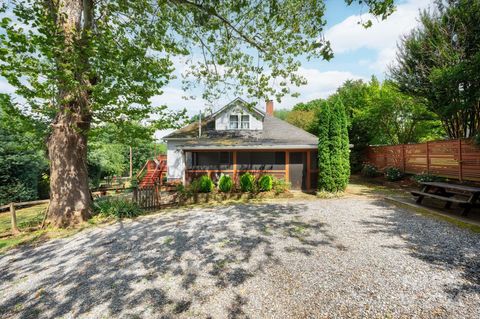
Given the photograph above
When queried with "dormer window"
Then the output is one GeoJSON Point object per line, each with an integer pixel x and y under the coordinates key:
{"type": "Point", "coordinates": [245, 122]}
{"type": "Point", "coordinates": [233, 122]}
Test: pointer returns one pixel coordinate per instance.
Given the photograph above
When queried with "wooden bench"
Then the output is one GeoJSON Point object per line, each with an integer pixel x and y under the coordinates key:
{"type": "Point", "coordinates": [438, 190]}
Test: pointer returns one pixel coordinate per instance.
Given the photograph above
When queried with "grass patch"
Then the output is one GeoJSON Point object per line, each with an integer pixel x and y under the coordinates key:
{"type": "Point", "coordinates": [31, 217]}
{"type": "Point", "coordinates": [26, 217]}
{"type": "Point", "coordinates": [168, 240]}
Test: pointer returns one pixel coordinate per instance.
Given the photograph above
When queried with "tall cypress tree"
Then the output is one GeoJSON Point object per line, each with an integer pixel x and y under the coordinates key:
{"type": "Point", "coordinates": [333, 147]}
{"type": "Point", "coordinates": [345, 146]}
{"type": "Point", "coordinates": [325, 180]}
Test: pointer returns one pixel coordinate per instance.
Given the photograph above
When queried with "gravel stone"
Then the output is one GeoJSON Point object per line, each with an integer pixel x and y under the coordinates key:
{"type": "Point", "coordinates": [352, 257]}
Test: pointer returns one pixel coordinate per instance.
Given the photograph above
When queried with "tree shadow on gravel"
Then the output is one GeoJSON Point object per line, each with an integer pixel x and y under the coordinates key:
{"type": "Point", "coordinates": [159, 265]}
{"type": "Point", "coordinates": [435, 242]}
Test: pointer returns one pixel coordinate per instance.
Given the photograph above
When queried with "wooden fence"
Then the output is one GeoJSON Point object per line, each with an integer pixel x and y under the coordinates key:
{"type": "Point", "coordinates": [147, 197]}
{"type": "Point", "coordinates": [457, 159]}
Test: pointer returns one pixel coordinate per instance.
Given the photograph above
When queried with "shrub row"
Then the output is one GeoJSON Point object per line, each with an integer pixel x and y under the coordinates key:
{"type": "Point", "coordinates": [248, 184]}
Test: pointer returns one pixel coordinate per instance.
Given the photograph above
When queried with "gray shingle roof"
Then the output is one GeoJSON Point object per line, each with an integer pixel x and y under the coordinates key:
{"type": "Point", "coordinates": [275, 133]}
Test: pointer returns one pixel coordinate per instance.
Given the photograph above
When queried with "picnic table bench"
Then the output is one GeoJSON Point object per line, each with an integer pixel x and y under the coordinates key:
{"type": "Point", "coordinates": [446, 192]}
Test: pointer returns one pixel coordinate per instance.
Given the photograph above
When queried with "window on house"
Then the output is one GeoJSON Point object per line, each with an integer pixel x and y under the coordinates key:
{"type": "Point", "coordinates": [233, 122]}
{"type": "Point", "coordinates": [245, 121]}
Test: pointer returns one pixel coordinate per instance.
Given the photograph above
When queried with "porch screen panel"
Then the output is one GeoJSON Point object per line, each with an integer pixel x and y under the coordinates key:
{"type": "Point", "coordinates": [261, 160]}
{"type": "Point", "coordinates": [211, 161]}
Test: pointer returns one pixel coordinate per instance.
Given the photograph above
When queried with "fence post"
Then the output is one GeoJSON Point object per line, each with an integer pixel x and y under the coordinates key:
{"type": "Point", "coordinates": [14, 219]}
{"type": "Point", "coordinates": [460, 173]}
{"type": "Point", "coordinates": [403, 158]}
{"type": "Point", "coordinates": [428, 160]}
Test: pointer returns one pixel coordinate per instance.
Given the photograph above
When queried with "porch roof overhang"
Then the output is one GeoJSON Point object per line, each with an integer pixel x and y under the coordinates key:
{"type": "Point", "coordinates": [248, 148]}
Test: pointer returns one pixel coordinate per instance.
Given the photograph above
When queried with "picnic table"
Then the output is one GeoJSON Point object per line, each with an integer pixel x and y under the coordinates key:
{"type": "Point", "coordinates": [464, 196]}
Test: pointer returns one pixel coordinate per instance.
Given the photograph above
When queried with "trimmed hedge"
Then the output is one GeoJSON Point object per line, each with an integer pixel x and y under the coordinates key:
{"type": "Point", "coordinates": [247, 182]}
{"type": "Point", "coordinates": [265, 183]}
{"type": "Point", "coordinates": [225, 184]}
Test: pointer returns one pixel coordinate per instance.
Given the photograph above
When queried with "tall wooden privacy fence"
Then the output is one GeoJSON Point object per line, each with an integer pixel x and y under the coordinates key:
{"type": "Point", "coordinates": [458, 159]}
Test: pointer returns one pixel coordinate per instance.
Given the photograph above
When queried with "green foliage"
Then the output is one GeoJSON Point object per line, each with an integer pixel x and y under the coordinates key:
{"type": "Point", "coordinates": [398, 117]}
{"type": "Point", "coordinates": [265, 183]}
{"type": "Point", "coordinates": [438, 62]}
{"type": "Point", "coordinates": [225, 184]}
{"type": "Point", "coordinates": [325, 179]}
{"type": "Point", "coordinates": [116, 207]}
{"type": "Point", "coordinates": [339, 147]}
{"type": "Point", "coordinates": [280, 186]}
{"type": "Point", "coordinates": [281, 113]}
{"type": "Point", "coordinates": [424, 177]}
{"type": "Point", "coordinates": [204, 184]}
{"type": "Point", "coordinates": [247, 182]}
{"type": "Point", "coordinates": [22, 155]}
{"type": "Point", "coordinates": [369, 171]}
{"type": "Point", "coordinates": [303, 115]}
{"type": "Point", "coordinates": [477, 139]}
{"type": "Point", "coordinates": [333, 147]}
{"type": "Point", "coordinates": [393, 174]}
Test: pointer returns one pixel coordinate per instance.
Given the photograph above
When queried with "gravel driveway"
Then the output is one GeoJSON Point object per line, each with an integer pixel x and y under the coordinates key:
{"type": "Point", "coordinates": [351, 257]}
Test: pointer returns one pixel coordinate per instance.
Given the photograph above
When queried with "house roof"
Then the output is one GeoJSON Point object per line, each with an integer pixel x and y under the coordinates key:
{"type": "Point", "coordinates": [275, 134]}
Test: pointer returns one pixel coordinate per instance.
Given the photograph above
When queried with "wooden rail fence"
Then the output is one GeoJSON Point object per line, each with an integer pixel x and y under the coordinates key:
{"type": "Point", "coordinates": [147, 198]}
{"type": "Point", "coordinates": [457, 159]}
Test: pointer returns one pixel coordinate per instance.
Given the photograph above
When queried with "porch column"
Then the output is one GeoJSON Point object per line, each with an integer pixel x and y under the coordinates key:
{"type": "Point", "coordinates": [309, 182]}
{"type": "Point", "coordinates": [287, 166]}
{"type": "Point", "coordinates": [184, 175]}
{"type": "Point", "coordinates": [234, 155]}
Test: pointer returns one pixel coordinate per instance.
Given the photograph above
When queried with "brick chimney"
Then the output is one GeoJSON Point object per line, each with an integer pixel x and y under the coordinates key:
{"type": "Point", "coordinates": [269, 108]}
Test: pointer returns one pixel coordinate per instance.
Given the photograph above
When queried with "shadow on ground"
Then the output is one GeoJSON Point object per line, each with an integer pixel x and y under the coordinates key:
{"type": "Point", "coordinates": [438, 243]}
{"type": "Point", "coordinates": [128, 266]}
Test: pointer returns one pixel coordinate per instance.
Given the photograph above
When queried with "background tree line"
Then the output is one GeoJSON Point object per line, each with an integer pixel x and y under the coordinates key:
{"type": "Point", "coordinates": [24, 169]}
{"type": "Point", "coordinates": [432, 91]}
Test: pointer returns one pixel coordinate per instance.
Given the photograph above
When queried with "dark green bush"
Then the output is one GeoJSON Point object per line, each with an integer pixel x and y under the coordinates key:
{"type": "Point", "coordinates": [116, 207]}
{"type": "Point", "coordinates": [225, 184]}
{"type": "Point", "coordinates": [369, 170]}
{"type": "Point", "coordinates": [280, 186]}
{"type": "Point", "coordinates": [247, 182]}
{"type": "Point", "coordinates": [205, 184]}
{"type": "Point", "coordinates": [265, 183]}
{"type": "Point", "coordinates": [393, 174]}
{"type": "Point", "coordinates": [424, 177]}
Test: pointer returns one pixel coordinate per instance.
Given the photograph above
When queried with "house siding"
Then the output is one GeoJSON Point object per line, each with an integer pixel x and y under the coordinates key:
{"type": "Point", "coordinates": [175, 161]}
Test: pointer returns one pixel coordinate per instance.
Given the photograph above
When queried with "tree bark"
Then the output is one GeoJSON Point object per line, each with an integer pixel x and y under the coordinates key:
{"type": "Point", "coordinates": [70, 198]}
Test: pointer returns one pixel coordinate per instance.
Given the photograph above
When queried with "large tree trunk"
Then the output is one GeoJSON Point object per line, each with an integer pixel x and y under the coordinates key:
{"type": "Point", "coordinates": [70, 198]}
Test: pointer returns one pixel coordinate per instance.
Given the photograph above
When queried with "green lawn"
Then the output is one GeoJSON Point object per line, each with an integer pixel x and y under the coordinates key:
{"type": "Point", "coordinates": [26, 217]}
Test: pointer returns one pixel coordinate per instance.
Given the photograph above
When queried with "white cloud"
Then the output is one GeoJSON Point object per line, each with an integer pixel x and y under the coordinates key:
{"type": "Point", "coordinates": [5, 87]}
{"type": "Point", "coordinates": [320, 85]}
{"type": "Point", "coordinates": [348, 36]}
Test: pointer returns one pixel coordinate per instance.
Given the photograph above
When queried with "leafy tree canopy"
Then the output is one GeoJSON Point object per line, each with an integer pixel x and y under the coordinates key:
{"type": "Point", "coordinates": [439, 62]}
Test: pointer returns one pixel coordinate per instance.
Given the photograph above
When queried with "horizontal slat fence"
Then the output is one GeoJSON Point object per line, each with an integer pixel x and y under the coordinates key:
{"type": "Point", "coordinates": [457, 159]}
